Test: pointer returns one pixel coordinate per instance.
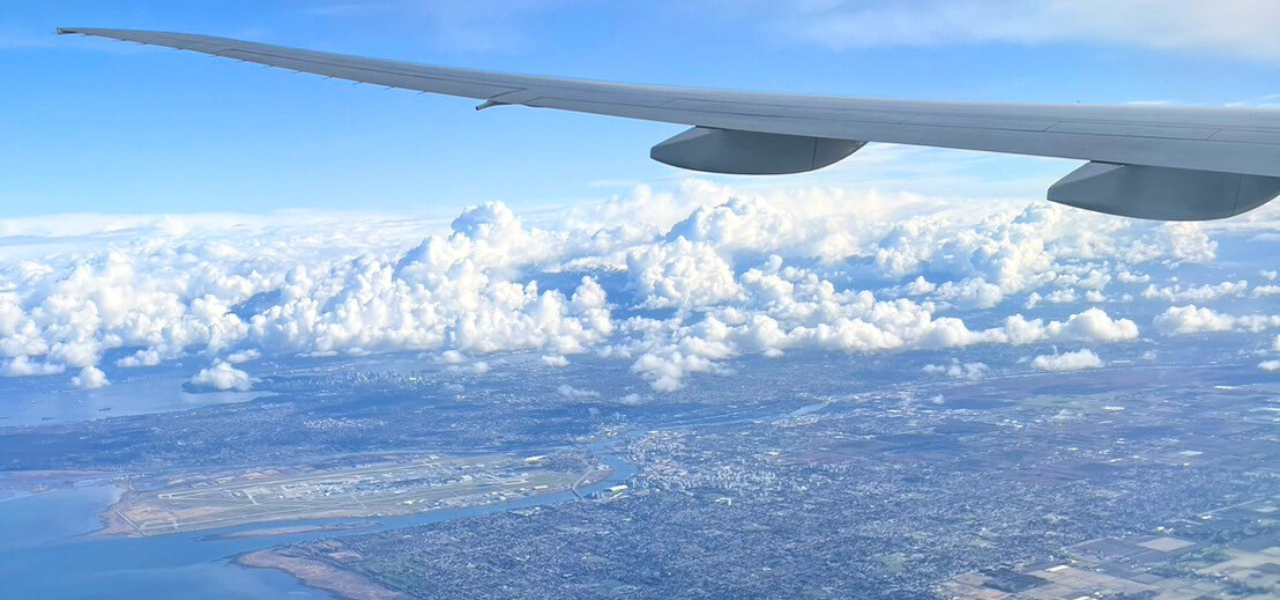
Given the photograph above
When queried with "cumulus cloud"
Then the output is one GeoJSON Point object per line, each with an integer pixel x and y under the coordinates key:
{"type": "Point", "coordinates": [1201, 294]}
{"type": "Point", "coordinates": [555, 360]}
{"type": "Point", "coordinates": [1067, 361]}
{"type": "Point", "coordinates": [1092, 325]}
{"type": "Point", "coordinates": [786, 308]}
{"type": "Point", "coordinates": [243, 356]}
{"type": "Point", "coordinates": [22, 366]}
{"type": "Point", "coordinates": [958, 370]}
{"type": "Point", "coordinates": [1126, 276]}
{"type": "Point", "coordinates": [90, 378]}
{"type": "Point", "coordinates": [141, 358]}
{"type": "Point", "coordinates": [223, 376]}
{"type": "Point", "coordinates": [1067, 296]}
{"type": "Point", "coordinates": [568, 391]}
{"type": "Point", "coordinates": [920, 287]}
{"type": "Point", "coordinates": [1184, 320]}
{"type": "Point", "coordinates": [1269, 365]}
{"type": "Point", "coordinates": [1190, 319]}
{"type": "Point", "coordinates": [681, 273]}
{"type": "Point", "coordinates": [677, 282]}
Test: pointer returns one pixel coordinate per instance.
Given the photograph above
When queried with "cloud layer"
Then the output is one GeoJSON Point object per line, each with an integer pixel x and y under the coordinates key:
{"type": "Point", "coordinates": [678, 282]}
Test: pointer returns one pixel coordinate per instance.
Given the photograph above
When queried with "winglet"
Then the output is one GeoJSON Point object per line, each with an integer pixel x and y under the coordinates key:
{"type": "Point", "coordinates": [66, 30]}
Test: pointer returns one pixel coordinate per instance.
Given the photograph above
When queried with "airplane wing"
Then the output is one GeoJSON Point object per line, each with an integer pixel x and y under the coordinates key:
{"type": "Point", "coordinates": [1155, 162]}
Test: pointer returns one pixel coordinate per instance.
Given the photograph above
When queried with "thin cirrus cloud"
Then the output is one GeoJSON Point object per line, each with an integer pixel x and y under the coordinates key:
{"type": "Point", "coordinates": [467, 25]}
{"type": "Point", "coordinates": [676, 281]}
{"type": "Point", "coordinates": [1231, 28]}
{"type": "Point", "coordinates": [1235, 28]}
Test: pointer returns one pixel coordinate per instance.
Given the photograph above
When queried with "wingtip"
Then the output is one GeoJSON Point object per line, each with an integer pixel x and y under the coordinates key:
{"type": "Point", "coordinates": [66, 30]}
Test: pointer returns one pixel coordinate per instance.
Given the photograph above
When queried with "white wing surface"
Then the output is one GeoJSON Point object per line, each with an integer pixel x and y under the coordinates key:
{"type": "Point", "coordinates": [1156, 162]}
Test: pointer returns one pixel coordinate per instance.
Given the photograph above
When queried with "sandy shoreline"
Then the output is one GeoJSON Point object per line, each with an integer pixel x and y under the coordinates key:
{"type": "Point", "coordinates": [320, 575]}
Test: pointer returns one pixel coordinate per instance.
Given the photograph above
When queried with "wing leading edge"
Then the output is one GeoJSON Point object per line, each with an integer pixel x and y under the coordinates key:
{"type": "Point", "coordinates": [1157, 162]}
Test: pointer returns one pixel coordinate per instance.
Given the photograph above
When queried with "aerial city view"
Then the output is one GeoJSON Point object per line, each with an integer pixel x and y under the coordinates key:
{"type": "Point", "coordinates": [268, 335]}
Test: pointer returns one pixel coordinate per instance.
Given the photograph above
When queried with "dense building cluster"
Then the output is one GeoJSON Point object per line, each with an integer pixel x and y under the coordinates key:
{"type": "Point", "coordinates": [873, 498]}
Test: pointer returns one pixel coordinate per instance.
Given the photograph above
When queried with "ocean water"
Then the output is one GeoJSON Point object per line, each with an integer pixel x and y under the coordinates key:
{"type": "Point", "coordinates": [38, 405]}
{"type": "Point", "coordinates": [45, 553]}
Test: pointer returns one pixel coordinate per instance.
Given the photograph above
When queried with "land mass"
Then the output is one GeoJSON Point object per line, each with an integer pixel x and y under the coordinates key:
{"type": "Point", "coordinates": [295, 530]}
{"type": "Point", "coordinates": [365, 486]}
{"type": "Point", "coordinates": [320, 574]}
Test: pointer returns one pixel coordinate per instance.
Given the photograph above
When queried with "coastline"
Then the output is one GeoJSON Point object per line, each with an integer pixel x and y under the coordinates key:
{"type": "Point", "coordinates": [318, 574]}
{"type": "Point", "coordinates": [113, 523]}
{"type": "Point", "coordinates": [221, 500]}
{"type": "Point", "coordinates": [309, 552]}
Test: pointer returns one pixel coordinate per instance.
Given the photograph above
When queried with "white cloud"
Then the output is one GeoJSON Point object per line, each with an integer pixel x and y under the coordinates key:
{"type": "Point", "coordinates": [568, 391]}
{"type": "Point", "coordinates": [784, 308]}
{"type": "Point", "coordinates": [1067, 296]}
{"type": "Point", "coordinates": [22, 366]}
{"type": "Point", "coordinates": [1269, 365]}
{"type": "Point", "coordinates": [223, 376]}
{"type": "Point", "coordinates": [920, 287]}
{"type": "Point", "coordinates": [243, 356]}
{"type": "Point", "coordinates": [453, 357]}
{"type": "Point", "coordinates": [1184, 320]}
{"type": "Point", "coordinates": [141, 358]}
{"type": "Point", "coordinates": [1130, 277]}
{"type": "Point", "coordinates": [90, 378]}
{"type": "Point", "coordinates": [957, 370]}
{"type": "Point", "coordinates": [1068, 361]}
{"type": "Point", "coordinates": [697, 275]}
{"type": "Point", "coordinates": [681, 273]}
{"type": "Point", "coordinates": [1086, 277]}
{"type": "Point", "coordinates": [1092, 325]}
{"type": "Point", "coordinates": [1188, 242]}
{"type": "Point", "coordinates": [1201, 294]}
{"type": "Point", "coordinates": [555, 360]}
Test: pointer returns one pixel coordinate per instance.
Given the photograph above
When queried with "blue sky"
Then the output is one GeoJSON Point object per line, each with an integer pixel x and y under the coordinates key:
{"type": "Point", "coordinates": [97, 126]}
{"type": "Point", "coordinates": [356, 220]}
